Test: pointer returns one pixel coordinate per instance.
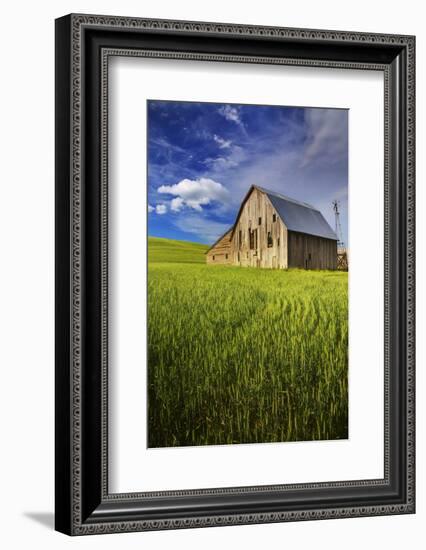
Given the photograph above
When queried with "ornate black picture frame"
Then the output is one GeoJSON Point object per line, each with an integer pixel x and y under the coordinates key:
{"type": "Point", "coordinates": [83, 45]}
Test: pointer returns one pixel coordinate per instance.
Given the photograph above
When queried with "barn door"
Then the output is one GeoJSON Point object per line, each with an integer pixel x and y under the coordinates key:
{"type": "Point", "coordinates": [308, 261]}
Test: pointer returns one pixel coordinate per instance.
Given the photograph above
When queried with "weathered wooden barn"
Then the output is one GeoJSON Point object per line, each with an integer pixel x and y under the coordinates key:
{"type": "Point", "coordinates": [275, 231]}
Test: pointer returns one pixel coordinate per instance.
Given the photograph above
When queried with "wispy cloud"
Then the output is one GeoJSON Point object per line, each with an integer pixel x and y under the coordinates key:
{"type": "Point", "coordinates": [223, 143]}
{"type": "Point", "coordinates": [165, 144]}
{"type": "Point", "coordinates": [231, 113]}
{"type": "Point", "coordinates": [326, 136]}
{"type": "Point", "coordinates": [203, 228]}
{"type": "Point", "coordinates": [221, 163]}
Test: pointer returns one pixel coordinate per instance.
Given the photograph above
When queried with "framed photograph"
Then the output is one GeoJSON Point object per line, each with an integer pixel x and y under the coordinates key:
{"type": "Point", "coordinates": [234, 274]}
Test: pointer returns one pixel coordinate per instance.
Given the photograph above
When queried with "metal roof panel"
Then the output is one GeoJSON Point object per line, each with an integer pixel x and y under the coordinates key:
{"type": "Point", "coordinates": [300, 217]}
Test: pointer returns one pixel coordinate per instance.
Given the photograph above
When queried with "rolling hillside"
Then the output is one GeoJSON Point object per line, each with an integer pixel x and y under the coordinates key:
{"type": "Point", "coordinates": [170, 251]}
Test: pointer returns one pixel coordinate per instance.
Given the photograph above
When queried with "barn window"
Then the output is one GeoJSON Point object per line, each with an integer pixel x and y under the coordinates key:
{"type": "Point", "coordinates": [251, 239]}
{"type": "Point", "coordinates": [226, 256]}
{"type": "Point", "coordinates": [278, 241]}
{"type": "Point", "coordinates": [274, 217]}
{"type": "Point", "coordinates": [260, 221]}
{"type": "Point", "coordinates": [240, 238]}
{"type": "Point", "coordinates": [309, 256]}
{"type": "Point", "coordinates": [269, 239]}
{"type": "Point", "coordinates": [213, 258]}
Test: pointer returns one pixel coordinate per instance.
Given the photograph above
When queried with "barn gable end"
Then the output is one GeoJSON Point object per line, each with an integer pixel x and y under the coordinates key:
{"type": "Point", "coordinates": [220, 252]}
{"type": "Point", "coordinates": [259, 237]}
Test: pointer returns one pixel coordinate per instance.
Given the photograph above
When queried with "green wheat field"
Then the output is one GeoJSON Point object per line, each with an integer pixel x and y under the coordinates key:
{"type": "Point", "coordinates": [243, 355]}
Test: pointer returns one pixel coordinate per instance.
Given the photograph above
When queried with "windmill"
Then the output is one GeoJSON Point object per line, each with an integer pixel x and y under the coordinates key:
{"type": "Point", "coordinates": [342, 255]}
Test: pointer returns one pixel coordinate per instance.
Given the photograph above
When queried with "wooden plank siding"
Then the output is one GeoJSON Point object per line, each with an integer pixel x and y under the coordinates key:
{"type": "Point", "coordinates": [220, 252]}
{"type": "Point", "coordinates": [311, 252]}
{"type": "Point", "coordinates": [258, 218]}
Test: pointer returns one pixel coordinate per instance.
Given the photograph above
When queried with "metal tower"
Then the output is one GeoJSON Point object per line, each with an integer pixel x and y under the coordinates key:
{"type": "Point", "coordinates": [342, 256]}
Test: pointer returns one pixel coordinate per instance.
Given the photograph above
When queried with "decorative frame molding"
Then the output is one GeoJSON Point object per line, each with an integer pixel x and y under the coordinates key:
{"type": "Point", "coordinates": [84, 44]}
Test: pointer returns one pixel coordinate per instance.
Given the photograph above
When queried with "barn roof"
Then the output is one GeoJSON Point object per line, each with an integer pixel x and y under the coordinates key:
{"type": "Point", "coordinates": [297, 216]}
{"type": "Point", "coordinates": [300, 216]}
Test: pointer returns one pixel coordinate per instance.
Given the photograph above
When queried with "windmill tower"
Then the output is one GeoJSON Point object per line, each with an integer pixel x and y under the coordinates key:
{"type": "Point", "coordinates": [342, 255]}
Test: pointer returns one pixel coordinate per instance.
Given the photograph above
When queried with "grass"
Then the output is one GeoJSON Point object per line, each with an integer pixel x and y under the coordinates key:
{"type": "Point", "coordinates": [169, 251]}
{"type": "Point", "coordinates": [243, 355]}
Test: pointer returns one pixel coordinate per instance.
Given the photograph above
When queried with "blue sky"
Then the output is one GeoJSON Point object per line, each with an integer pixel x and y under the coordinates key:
{"type": "Point", "coordinates": [203, 157]}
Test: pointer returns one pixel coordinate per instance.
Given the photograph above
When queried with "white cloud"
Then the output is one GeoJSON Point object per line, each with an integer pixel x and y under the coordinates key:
{"type": "Point", "coordinates": [150, 208]}
{"type": "Point", "coordinates": [230, 113]}
{"type": "Point", "coordinates": [223, 143]}
{"type": "Point", "coordinates": [177, 204]}
{"type": "Point", "coordinates": [196, 193]}
{"type": "Point", "coordinates": [161, 209]}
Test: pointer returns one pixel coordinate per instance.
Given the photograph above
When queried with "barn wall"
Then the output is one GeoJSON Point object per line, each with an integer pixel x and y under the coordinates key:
{"type": "Point", "coordinates": [309, 252]}
{"type": "Point", "coordinates": [258, 206]}
{"type": "Point", "coordinates": [221, 252]}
